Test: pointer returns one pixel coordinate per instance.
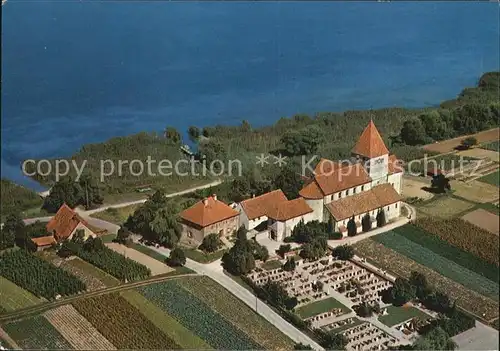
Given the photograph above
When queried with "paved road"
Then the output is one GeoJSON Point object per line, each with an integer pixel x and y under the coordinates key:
{"type": "Point", "coordinates": [214, 271]}
{"type": "Point", "coordinates": [481, 337]}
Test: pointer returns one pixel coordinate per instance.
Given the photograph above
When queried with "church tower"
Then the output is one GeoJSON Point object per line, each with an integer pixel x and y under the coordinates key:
{"type": "Point", "coordinates": [371, 150]}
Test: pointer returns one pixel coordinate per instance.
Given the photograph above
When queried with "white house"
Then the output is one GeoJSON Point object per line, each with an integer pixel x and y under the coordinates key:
{"type": "Point", "coordinates": [286, 215]}
{"type": "Point", "coordinates": [254, 211]}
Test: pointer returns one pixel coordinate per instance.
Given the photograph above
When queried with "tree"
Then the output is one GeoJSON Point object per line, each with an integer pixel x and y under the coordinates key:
{"type": "Point", "coordinates": [79, 237]}
{"type": "Point", "coordinates": [434, 125]}
{"type": "Point", "coordinates": [194, 133]}
{"type": "Point", "coordinates": [304, 141]}
{"type": "Point", "coordinates": [440, 183]}
{"type": "Point", "coordinates": [344, 252]}
{"type": "Point", "coordinates": [238, 260]}
{"type": "Point", "coordinates": [64, 191]}
{"type": "Point", "coordinates": [289, 181]}
{"type": "Point", "coordinates": [402, 292]}
{"type": "Point", "coordinates": [435, 339]}
{"type": "Point", "coordinates": [366, 223]}
{"type": "Point", "coordinates": [93, 244]}
{"type": "Point", "coordinates": [171, 134]}
{"type": "Point", "coordinates": [258, 251]}
{"type": "Point", "coordinates": [351, 227]}
{"type": "Point", "coordinates": [212, 150]}
{"type": "Point", "coordinates": [245, 126]}
{"type": "Point", "coordinates": [122, 236]}
{"type": "Point", "coordinates": [314, 249]}
{"type": "Point", "coordinates": [289, 265]}
{"type": "Point", "coordinates": [364, 310]}
{"type": "Point", "coordinates": [278, 296]}
{"type": "Point", "coordinates": [422, 287]}
{"type": "Point", "coordinates": [413, 132]}
{"type": "Point", "coordinates": [307, 232]}
{"type": "Point", "coordinates": [7, 239]}
{"type": "Point", "coordinates": [468, 142]}
{"type": "Point", "coordinates": [381, 220]}
{"type": "Point", "coordinates": [283, 249]}
{"type": "Point", "coordinates": [301, 346]}
{"type": "Point", "coordinates": [211, 243]}
{"type": "Point", "coordinates": [240, 189]}
{"type": "Point", "coordinates": [330, 340]}
{"type": "Point", "coordinates": [14, 226]}
{"type": "Point", "coordinates": [177, 258]}
{"type": "Point", "coordinates": [90, 192]}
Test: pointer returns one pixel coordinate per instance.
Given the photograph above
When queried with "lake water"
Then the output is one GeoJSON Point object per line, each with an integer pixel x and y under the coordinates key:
{"type": "Point", "coordinates": [80, 72]}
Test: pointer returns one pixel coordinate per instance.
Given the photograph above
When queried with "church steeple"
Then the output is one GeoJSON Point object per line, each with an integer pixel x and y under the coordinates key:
{"type": "Point", "coordinates": [370, 143]}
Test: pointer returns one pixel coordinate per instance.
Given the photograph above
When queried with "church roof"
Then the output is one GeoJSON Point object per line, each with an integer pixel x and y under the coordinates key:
{"type": "Point", "coordinates": [377, 197]}
{"type": "Point", "coordinates": [370, 143]}
{"type": "Point", "coordinates": [208, 211]}
{"type": "Point", "coordinates": [261, 205]}
{"type": "Point", "coordinates": [289, 209]}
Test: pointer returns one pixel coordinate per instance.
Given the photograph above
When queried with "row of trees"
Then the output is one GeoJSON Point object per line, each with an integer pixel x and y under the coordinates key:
{"type": "Point", "coordinates": [15, 232]}
{"type": "Point", "coordinates": [366, 223]}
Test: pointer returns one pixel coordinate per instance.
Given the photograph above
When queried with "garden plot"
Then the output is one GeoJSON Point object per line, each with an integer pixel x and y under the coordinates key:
{"type": "Point", "coordinates": [475, 191]}
{"type": "Point", "coordinates": [77, 330]}
{"type": "Point", "coordinates": [483, 219]}
{"type": "Point", "coordinates": [400, 265]}
{"type": "Point", "coordinates": [36, 333]}
{"type": "Point", "coordinates": [450, 144]}
{"type": "Point", "coordinates": [445, 207]}
{"type": "Point", "coordinates": [491, 178]}
{"type": "Point", "coordinates": [481, 154]}
{"type": "Point", "coordinates": [13, 297]}
{"type": "Point", "coordinates": [155, 266]}
{"type": "Point", "coordinates": [413, 188]}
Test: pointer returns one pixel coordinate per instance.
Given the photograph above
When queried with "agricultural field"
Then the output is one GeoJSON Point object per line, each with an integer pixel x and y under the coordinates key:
{"type": "Point", "coordinates": [481, 154]}
{"type": "Point", "coordinates": [163, 321]}
{"type": "Point", "coordinates": [400, 265]}
{"type": "Point", "coordinates": [13, 297]}
{"type": "Point", "coordinates": [413, 188]}
{"type": "Point", "coordinates": [77, 330]}
{"type": "Point", "coordinates": [225, 303]}
{"type": "Point", "coordinates": [117, 216]}
{"type": "Point", "coordinates": [36, 333]}
{"type": "Point", "coordinates": [450, 144]}
{"type": "Point", "coordinates": [492, 178]}
{"type": "Point", "coordinates": [483, 219]}
{"type": "Point", "coordinates": [122, 324]}
{"type": "Point", "coordinates": [197, 316]}
{"type": "Point", "coordinates": [465, 236]}
{"type": "Point", "coordinates": [321, 306]}
{"type": "Point", "coordinates": [156, 267]}
{"type": "Point", "coordinates": [38, 276]}
{"type": "Point", "coordinates": [493, 146]}
{"type": "Point", "coordinates": [398, 315]}
{"type": "Point", "coordinates": [445, 207]}
{"type": "Point", "coordinates": [444, 266]}
{"type": "Point", "coordinates": [475, 191]}
{"type": "Point", "coordinates": [446, 162]}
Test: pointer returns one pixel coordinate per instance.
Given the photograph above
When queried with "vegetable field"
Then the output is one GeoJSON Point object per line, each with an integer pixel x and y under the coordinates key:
{"type": "Point", "coordinates": [197, 316]}
{"type": "Point", "coordinates": [465, 236]}
{"type": "Point", "coordinates": [492, 178]}
{"type": "Point", "coordinates": [444, 249]}
{"type": "Point", "coordinates": [13, 297]}
{"type": "Point", "coordinates": [38, 276]}
{"type": "Point", "coordinates": [36, 333]}
{"type": "Point", "coordinates": [122, 324]}
{"type": "Point", "coordinates": [225, 303]}
{"type": "Point", "coordinates": [439, 263]}
{"type": "Point", "coordinates": [77, 330]}
{"type": "Point", "coordinates": [402, 266]}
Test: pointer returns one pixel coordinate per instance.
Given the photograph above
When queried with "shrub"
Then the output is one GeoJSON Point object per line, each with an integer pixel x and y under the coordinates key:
{"type": "Point", "coordinates": [211, 243]}
{"type": "Point", "coordinates": [177, 258]}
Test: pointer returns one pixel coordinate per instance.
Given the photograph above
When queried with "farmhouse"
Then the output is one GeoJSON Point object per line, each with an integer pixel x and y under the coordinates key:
{"type": "Point", "coordinates": [206, 217]}
{"type": "Point", "coordinates": [62, 227]}
{"type": "Point", "coordinates": [366, 185]}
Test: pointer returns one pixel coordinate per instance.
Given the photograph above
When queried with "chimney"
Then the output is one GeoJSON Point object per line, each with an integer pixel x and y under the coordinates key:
{"type": "Point", "coordinates": [205, 202]}
{"type": "Point", "coordinates": [214, 196]}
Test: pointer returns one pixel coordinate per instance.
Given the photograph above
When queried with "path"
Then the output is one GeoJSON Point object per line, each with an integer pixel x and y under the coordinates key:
{"type": "Point", "coordinates": [214, 270]}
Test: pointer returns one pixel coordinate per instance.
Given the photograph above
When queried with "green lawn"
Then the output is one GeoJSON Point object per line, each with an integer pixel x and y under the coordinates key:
{"type": "Point", "coordinates": [270, 265]}
{"type": "Point", "coordinates": [321, 306]}
{"type": "Point", "coordinates": [202, 257]}
{"type": "Point", "coordinates": [494, 146]}
{"type": "Point", "coordinates": [163, 321]}
{"type": "Point", "coordinates": [159, 257]}
{"type": "Point", "coordinates": [108, 238]}
{"type": "Point", "coordinates": [492, 178]}
{"type": "Point", "coordinates": [398, 315]}
{"type": "Point", "coordinates": [13, 297]}
{"type": "Point", "coordinates": [442, 265]}
{"type": "Point", "coordinates": [117, 216]}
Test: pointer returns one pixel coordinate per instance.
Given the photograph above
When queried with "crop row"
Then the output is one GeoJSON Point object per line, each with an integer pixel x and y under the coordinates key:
{"type": "Point", "coordinates": [465, 236]}
{"type": "Point", "coordinates": [225, 303]}
{"type": "Point", "coordinates": [36, 333]}
{"type": "Point", "coordinates": [453, 253]}
{"type": "Point", "coordinates": [439, 264]}
{"type": "Point", "coordinates": [197, 316]}
{"type": "Point", "coordinates": [37, 275]}
{"type": "Point", "coordinates": [122, 324]}
{"type": "Point", "coordinates": [77, 330]}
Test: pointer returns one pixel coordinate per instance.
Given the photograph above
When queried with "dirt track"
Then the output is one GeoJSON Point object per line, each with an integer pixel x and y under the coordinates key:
{"type": "Point", "coordinates": [450, 144]}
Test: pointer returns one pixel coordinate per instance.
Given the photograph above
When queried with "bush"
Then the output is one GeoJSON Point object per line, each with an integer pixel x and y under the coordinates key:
{"type": "Point", "coordinates": [211, 243]}
{"type": "Point", "coordinates": [366, 223]}
{"type": "Point", "coordinates": [381, 220]}
{"type": "Point", "coordinates": [352, 230]}
{"type": "Point", "coordinates": [344, 252]}
{"type": "Point", "coordinates": [335, 236]}
{"type": "Point", "coordinates": [177, 258]}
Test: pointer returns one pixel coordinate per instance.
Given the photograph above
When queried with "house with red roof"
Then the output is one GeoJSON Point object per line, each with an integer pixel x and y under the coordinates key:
{"type": "Point", "coordinates": [206, 217]}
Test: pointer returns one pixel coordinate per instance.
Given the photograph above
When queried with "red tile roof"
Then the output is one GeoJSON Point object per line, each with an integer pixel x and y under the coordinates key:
{"type": "Point", "coordinates": [395, 165]}
{"type": "Point", "coordinates": [261, 205]}
{"type": "Point", "coordinates": [377, 197]}
{"type": "Point", "coordinates": [311, 191]}
{"type": "Point", "coordinates": [44, 240]}
{"type": "Point", "coordinates": [64, 223]}
{"type": "Point", "coordinates": [290, 209]}
{"type": "Point", "coordinates": [370, 143]}
{"type": "Point", "coordinates": [207, 212]}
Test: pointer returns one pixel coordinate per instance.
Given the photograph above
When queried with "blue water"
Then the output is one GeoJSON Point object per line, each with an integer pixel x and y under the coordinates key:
{"type": "Point", "coordinates": [80, 72]}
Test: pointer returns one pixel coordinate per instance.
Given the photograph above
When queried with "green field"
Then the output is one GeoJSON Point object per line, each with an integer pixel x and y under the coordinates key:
{"type": "Point", "coordinates": [202, 257]}
{"type": "Point", "coordinates": [453, 253]}
{"type": "Point", "coordinates": [270, 265]}
{"type": "Point", "coordinates": [197, 316]}
{"type": "Point", "coordinates": [93, 271]}
{"type": "Point", "coordinates": [440, 264]}
{"type": "Point", "coordinates": [492, 178]}
{"type": "Point", "coordinates": [36, 333]}
{"type": "Point", "coordinates": [321, 306]}
{"type": "Point", "coordinates": [13, 297]}
{"type": "Point", "coordinates": [117, 216]}
{"type": "Point", "coordinates": [494, 146]}
{"type": "Point", "coordinates": [398, 315]}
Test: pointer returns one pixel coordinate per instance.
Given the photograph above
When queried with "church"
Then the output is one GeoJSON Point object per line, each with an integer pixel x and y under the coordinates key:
{"type": "Point", "coordinates": [367, 186]}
